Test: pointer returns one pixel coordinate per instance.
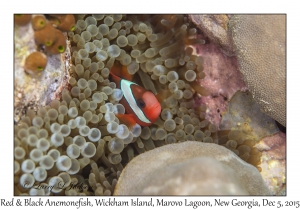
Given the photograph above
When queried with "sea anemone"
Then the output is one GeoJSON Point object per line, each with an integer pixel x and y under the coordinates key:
{"type": "Point", "coordinates": [79, 138]}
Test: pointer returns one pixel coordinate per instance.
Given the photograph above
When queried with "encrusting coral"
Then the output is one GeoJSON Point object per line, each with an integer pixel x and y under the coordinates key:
{"type": "Point", "coordinates": [35, 62]}
{"type": "Point", "coordinates": [34, 90]}
{"type": "Point", "coordinates": [22, 19]}
{"type": "Point", "coordinates": [263, 64]}
{"type": "Point", "coordinates": [80, 140]}
{"type": "Point", "coordinates": [206, 169]}
{"type": "Point", "coordinates": [45, 35]}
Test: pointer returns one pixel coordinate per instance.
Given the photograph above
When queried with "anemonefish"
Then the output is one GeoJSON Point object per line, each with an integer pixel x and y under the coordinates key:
{"type": "Point", "coordinates": [141, 105]}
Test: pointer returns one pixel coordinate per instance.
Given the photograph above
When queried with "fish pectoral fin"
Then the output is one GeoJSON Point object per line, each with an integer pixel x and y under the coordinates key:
{"type": "Point", "coordinates": [162, 95]}
{"type": "Point", "coordinates": [127, 119]}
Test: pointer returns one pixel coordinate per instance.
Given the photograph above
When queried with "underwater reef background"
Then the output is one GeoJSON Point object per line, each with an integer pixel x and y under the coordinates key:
{"type": "Point", "coordinates": [66, 115]}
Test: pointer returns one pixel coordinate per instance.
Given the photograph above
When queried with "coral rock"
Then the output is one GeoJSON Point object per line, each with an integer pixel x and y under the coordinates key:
{"type": "Point", "coordinates": [207, 169]}
{"type": "Point", "coordinates": [30, 91]}
{"type": "Point", "coordinates": [273, 162]}
{"type": "Point", "coordinates": [245, 115]}
{"type": "Point", "coordinates": [215, 28]}
{"type": "Point", "coordinates": [219, 69]}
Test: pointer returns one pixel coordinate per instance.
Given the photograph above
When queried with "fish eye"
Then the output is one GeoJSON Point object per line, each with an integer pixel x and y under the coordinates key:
{"type": "Point", "coordinates": [141, 104]}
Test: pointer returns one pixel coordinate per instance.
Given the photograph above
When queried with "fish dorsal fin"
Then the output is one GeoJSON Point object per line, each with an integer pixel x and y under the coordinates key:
{"type": "Point", "coordinates": [121, 71]}
{"type": "Point", "coordinates": [128, 94]}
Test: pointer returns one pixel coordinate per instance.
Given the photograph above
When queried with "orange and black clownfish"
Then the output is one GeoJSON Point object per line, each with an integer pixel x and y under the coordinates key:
{"type": "Point", "coordinates": [141, 105]}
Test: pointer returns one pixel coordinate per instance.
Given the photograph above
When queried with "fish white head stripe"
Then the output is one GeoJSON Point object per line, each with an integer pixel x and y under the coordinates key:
{"type": "Point", "coordinates": [127, 92]}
